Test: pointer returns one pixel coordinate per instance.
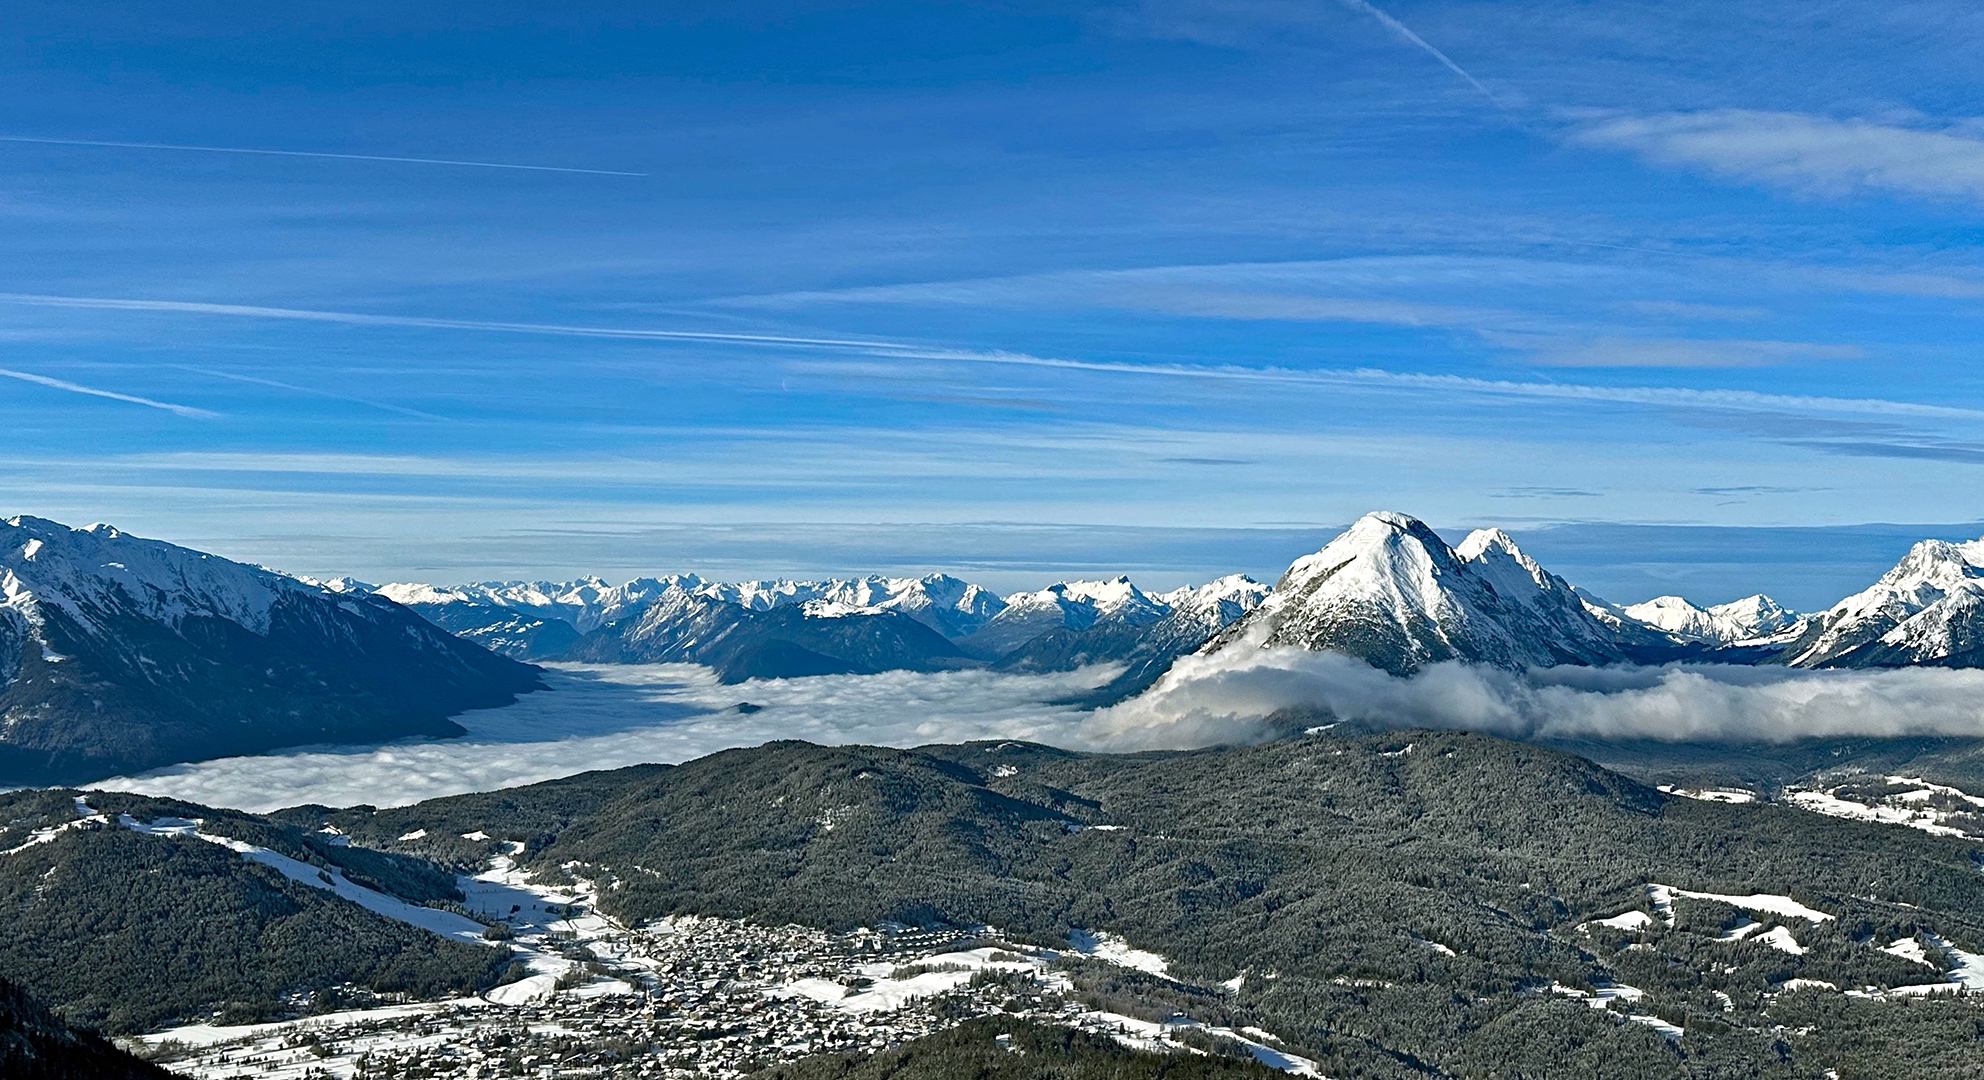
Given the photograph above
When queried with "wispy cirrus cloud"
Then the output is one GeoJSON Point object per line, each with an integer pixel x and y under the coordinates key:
{"type": "Point", "coordinates": [900, 351]}
{"type": "Point", "coordinates": [1686, 352]}
{"type": "Point", "coordinates": [1802, 151]}
{"type": "Point", "coordinates": [382, 158]}
{"type": "Point", "coordinates": [1490, 298]}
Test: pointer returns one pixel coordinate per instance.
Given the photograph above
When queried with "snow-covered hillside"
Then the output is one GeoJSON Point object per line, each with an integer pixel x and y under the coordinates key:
{"type": "Point", "coordinates": [119, 652]}
{"type": "Point", "coordinates": [1390, 591]}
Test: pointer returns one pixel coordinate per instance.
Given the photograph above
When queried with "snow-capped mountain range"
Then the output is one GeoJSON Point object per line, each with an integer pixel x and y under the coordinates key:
{"type": "Point", "coordinates": [117, 651]}
{"type": "Point", "coordinates": [1388, 589]}
{"type": "Point", "coordinates": [1753, 618]}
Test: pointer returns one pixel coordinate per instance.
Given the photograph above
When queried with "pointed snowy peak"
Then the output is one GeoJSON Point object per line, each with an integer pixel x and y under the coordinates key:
{"type": "Point", "coordinates": [1917, 613]}
{"type": "Point", "coordinates": [1390, 590]}
{"type": "Point", "coordinates": [1064, 605]}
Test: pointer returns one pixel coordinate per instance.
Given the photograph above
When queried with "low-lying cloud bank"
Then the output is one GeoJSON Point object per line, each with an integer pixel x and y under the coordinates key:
{"type": "Point", "coordinates": [608, 716]}
{"type": "Point", "coordinates": [1228, 697]}
{"type": "Point", "coordinates": [611, 715]}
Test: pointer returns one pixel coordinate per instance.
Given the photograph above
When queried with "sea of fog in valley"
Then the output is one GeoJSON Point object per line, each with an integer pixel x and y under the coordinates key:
{"type": "Point", "coordinates": [608, 716]}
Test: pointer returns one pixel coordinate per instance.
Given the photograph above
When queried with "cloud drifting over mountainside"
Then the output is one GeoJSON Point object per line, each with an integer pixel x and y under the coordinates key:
{"type": "Point", "coordinates": [1227, 697]}
{"type": "Point", "coordinates": [612, 716]}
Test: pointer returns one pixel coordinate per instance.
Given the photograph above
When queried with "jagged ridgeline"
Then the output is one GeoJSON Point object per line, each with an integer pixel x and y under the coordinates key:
{"type": "Point", "coordinates": [1388, 590]}
{"type": "Point", "coordinates": [1406, 905]}
{"type": "Point", "coordinates": [118, 654]}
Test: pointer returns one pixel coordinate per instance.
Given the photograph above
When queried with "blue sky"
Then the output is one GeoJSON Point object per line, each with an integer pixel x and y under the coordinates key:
{"type": "Point", "coordinates": [1020, 289]}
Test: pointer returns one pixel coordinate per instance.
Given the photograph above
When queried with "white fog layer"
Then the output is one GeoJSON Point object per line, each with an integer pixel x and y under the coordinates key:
{"type": "Point", "coordinates": [608, 716]}
{"type": "Point", "coordinates": [1225, 696]}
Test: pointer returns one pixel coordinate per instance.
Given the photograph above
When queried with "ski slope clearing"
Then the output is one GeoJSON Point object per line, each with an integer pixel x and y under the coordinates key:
{"type": "Point", "coordinates": [1663, 896]}
{"type": "Point", "coordinates": [444, 923]}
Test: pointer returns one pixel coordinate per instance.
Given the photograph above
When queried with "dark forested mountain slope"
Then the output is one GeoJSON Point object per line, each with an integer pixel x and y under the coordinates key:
{"type": "Point", "coordinates": [36, 1045]}
{"type": "Point", "coordinates": [119, 654]}
{"type": "Point", "coordinates": [1007, 1048]}
{"type": "Point", "coordinates": [126, 931]}
{"type": "Point", "coordinates": [1392, 905]}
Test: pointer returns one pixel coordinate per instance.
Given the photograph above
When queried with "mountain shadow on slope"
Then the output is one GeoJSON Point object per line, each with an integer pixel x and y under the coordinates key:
{"type": "Point", "coordinates": [36, 1045]}
{"type": "Point", "coordinates": [119, 654]}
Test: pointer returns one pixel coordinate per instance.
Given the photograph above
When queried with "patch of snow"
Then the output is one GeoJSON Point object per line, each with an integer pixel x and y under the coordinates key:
{"type": "Point", "coordinates": [1926, 819]}
{"type": "Point", "coordinates": [1721, 795]}
{"type": "Point", "coordinates": [1806, 984]}
{"type": "Point", "coordinates": [1631, 920]}
{"type": "Point", "coordinates": [1909, 948]}
{"type": "Point", "coordinates": [1740, 931]}
{"type": "Point", "coordinates": [478, 836]}
{"type": "Point", "coordinates": [1149, 1035]}
{"type": "Point", "coordinates": [1112, 949]}
{"type": "Point", "coordinates": [417, 834]}
{"type": "Point", "coordinates": [86, 818]}
{"type": "Point", "coordinates": [1769, 903]}
{"type": "Point", "coordinates": [1779, 938]}
{"type": "Point", "coordinates": [445, 923]}
{"type": "Point", "coordinates": [1969, 969]}
{"type": "Point", "coordinates": [886, 993]}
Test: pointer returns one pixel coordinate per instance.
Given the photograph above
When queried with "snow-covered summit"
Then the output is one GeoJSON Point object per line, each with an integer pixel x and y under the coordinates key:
{"type": "Point", "coordinates": [120, 652]}
{"type": "Point", "coordinates": [1927, 609]}
{"type": "Point", "coordinates": [1069, 605]}
{"type": "Point", "coordinates": [1390, 590]}
{"type": "Point", "coordinates": [97, 569]}
{"type": "Point", "coordinates": [1750, 619]}
{"type": "Point", "coordinates": [1216, 603]}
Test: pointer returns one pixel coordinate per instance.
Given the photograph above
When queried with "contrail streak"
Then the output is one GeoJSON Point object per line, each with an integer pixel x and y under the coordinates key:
{"type": "Point", "coordinates": [76, 388]}
{"type": "Point", "coordinates": [1663, 396]}
{"type": "Point", "coordinates": [312, 154]}
{"type": "Point", "coordinates": [359, 319]}
{"type": "Point", "coordinates": [312, 391]}
{"type": "Point", "coordinates": [1405, 32]}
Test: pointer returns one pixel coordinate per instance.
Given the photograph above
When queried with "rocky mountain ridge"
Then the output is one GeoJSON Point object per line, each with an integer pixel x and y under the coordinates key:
{"type": "Point", "coordinates": [119, 654]}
